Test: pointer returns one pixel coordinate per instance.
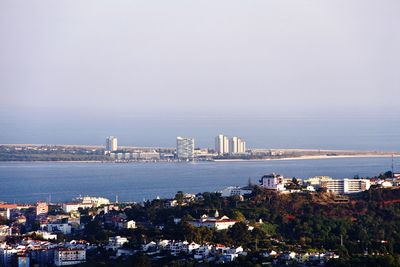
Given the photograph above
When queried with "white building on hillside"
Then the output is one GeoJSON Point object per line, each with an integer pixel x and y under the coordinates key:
{"type": "Point", "coordinates": [273, 181]}
{"type": "Point", "coordinates": [73, 206]}
{"type": "Point", "coordinates": [217, 222]}
{"type": "Point", "coordinates": [94, 201]}
{"type": "Point", "coordinates": [346, 186]}
{"type": "Point", "coordinates": [64, 228]}
{"type": "Point", "coordinates": [235, 191]}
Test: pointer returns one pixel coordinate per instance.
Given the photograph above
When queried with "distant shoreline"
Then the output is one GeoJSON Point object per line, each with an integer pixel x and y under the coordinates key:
{"type": "Point", "coordinates": [310, 157]}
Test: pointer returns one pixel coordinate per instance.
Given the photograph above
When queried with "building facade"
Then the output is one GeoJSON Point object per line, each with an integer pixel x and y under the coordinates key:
{"type": "Point", "coordinates": [63, 257]}
{"type": "Point", "coordinates": [111, 144]}
{"type": "Point", "coordinates": [237, 145]}
{"type": "Point", "coordinates": [222, 144]}
{"type": "Point", "coordinates": [235, 191]}
{"type": "Point", "coordinates": [184, 148]}
{"type": "Point", "coordinates": [216, 222]}
{"type": "Point", "coordinates": [273, 181]}
{"type": "Point", "coordinates": [346, 186]}
{"type": "Point", "coordinates": [41, 208]}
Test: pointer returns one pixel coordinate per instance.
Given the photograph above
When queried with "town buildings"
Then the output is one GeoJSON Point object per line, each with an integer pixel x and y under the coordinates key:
{"type": "Point", "coordinates": [184, 148]}
{"type": "Point", "coordinates": [116, 242]}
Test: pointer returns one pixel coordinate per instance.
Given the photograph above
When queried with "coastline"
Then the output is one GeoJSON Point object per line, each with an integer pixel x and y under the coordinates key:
{"type": "Point", "coordinates": [305, 157]}
{"type": "Point", "coordinates": [312, 157]}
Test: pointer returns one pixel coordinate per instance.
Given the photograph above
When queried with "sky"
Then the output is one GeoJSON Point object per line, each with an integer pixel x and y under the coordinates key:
{"type": "Point", "coordinates": [144, 68]}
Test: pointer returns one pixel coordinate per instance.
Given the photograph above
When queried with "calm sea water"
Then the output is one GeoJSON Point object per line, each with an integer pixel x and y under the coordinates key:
{"type": "Point", "coordinates": [32, 181]}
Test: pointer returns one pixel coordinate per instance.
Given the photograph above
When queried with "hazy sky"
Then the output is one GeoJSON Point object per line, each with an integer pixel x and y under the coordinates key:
{"type": "Point", "coordinates": [198, 58]}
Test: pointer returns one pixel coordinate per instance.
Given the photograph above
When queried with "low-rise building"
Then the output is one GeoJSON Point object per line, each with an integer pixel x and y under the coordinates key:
{"type": "Point", "coordinates": [74, 206]}
{"type": "Point", "coordinates": [317, 180]}
{"type": "Point", "coordinates": [41, 208]}
{"type": "Point", "coordinates": [202, 252]}
{"type": "Point", "coordinates": [94, 201]}
{"type": "Point", "coordinates": [346, 186]}
{"type": "Point", "coordinates": [235, 191]}
{"type": "Point", "coordinates": [63, 228]}
{"type": "Point", "coordinates": [66, 256]}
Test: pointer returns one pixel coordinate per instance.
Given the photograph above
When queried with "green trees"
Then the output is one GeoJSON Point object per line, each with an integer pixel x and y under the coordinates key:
{"type": "Point", "coordinates": [94, 232]}
{"type": "Point", "coordinates": [240, 234]}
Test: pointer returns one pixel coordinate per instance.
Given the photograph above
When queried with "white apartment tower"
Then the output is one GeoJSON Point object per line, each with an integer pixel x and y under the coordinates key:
{"type": "Point", "coordinates": [222, 144]}
{"type": "Point", "coordinates": [184, 148]}
{"type": "Point", "coordinates": [237, 145]}
{"type": "Point", "coordinates": [111, 143]}
{"type": "Point", "coordinates": [346, 186]}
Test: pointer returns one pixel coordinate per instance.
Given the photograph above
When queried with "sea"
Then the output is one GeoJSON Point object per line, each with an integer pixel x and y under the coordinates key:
{"type": "Point", "coordinates": [26, 182]}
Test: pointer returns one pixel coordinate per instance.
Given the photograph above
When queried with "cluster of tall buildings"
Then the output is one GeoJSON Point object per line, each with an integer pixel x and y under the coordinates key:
{"type": "Point", "coordinates": [185, 146]}
{"type": "Point", "coordinates": [225, 145]}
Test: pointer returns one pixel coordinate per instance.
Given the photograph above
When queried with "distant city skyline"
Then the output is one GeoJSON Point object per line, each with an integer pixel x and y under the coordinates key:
{"type": "Point", "coordinates": [313, 133]}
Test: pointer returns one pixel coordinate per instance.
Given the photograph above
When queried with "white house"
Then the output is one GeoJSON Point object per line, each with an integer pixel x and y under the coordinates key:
{"type": "Point", "coordinates": [219, 223]}
{"type": "Point", "coordinates": [64, 228]}
{"type": "Point", "coordinates": [273, 181]}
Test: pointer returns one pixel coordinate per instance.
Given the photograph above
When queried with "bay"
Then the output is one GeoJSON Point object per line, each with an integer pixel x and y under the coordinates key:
{"type": "Point", "coordinates": [32, 181]}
